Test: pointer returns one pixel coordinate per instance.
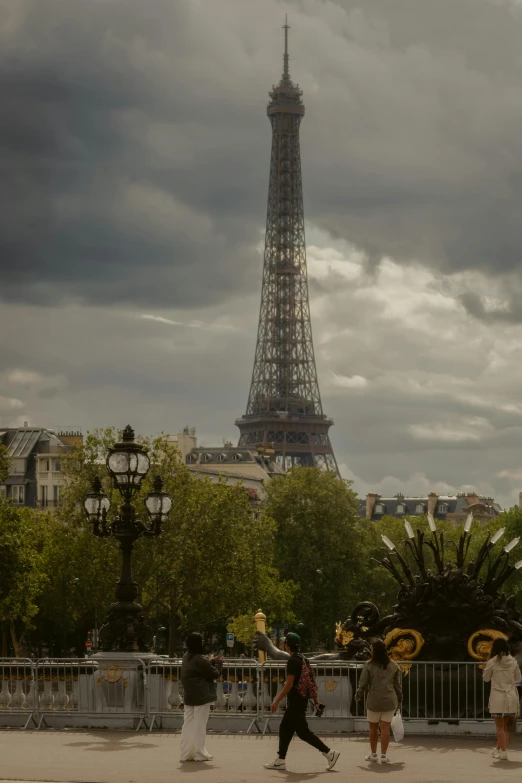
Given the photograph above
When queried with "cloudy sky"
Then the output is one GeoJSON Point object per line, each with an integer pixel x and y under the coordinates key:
{"type": "Point", "coordinates": [134, 150]}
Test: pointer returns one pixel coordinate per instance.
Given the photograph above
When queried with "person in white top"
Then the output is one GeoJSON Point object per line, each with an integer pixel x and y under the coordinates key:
{"type": "Point", "coordinates": [503, 672]}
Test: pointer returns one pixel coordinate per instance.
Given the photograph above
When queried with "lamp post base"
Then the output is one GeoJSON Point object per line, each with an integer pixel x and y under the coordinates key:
{"type": "Point", "coordinates": [126, 630]}
{"type": "Point", "coordinates": [119, 682]}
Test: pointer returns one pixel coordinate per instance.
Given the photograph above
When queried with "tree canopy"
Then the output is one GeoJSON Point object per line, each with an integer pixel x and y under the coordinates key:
{"type": "Point", "coordinates": [23, 575]}
{"type": "Point", "coordinates": [4, 463]}
{"type": "Point", "coordinates": [306, 560]}
{"type": "Point", "coordinates": [212, 562]}
{"type": "Point", "coordinates": [319, 545]}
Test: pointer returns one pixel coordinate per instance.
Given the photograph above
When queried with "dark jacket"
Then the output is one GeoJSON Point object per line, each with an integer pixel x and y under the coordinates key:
{"type": "Point", "coordinates": [198, 676]}
{"type": "Point", "coordinates": [382, 686]}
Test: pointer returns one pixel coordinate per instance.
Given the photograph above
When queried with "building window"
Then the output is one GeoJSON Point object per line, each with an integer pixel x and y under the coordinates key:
{"type": "Point", "coordinates": [56, 494]}
{"type": "Point", "coordinates": [3, 491]}
{"type": "Point", "coordinates": [43, 496]}
{"type": "Point", "coordinates": [58, 466]}
{"type": "Point", "coordinates": [401, 508]}
{"type": "Point", "coordinates": [419, 508]}
{"type": "Point", "coordinates": [442, 509]}
{"type": "Point", "coordinates": [380, 508]}
{"type": "Point", "coordinates": [18, 493]}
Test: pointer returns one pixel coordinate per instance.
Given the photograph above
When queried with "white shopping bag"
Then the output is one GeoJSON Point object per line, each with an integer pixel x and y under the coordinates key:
{"type": "Point", "coordinates": [397, 727]}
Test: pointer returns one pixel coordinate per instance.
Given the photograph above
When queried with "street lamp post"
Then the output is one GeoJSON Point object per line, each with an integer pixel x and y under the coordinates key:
{"type": "Point", "coordinates": [72, 582]}
{"type": "Point", "coordinates": [126, 629]}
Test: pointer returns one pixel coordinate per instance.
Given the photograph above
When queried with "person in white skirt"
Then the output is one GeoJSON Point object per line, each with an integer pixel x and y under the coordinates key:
{"type": "Point", "coordinates": [198, 676]}
{"type": "Point", "coordinates": [503, 672]}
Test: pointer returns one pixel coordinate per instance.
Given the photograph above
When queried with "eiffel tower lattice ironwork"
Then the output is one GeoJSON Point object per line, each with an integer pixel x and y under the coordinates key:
{"type": "Point", "coordinates": [284, 409]}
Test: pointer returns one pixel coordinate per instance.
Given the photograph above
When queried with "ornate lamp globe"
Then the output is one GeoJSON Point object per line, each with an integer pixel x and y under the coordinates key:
{"type": "Point", "coordinates": [127, 462]}
{"type": "Point", "coordinates": [96, 503]}
{"type": "Point", "coordinates": [158, 503]}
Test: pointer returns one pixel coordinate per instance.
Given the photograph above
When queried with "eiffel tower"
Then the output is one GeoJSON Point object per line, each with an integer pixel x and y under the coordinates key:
{"type": "Point", "coordinates": [284, 409]}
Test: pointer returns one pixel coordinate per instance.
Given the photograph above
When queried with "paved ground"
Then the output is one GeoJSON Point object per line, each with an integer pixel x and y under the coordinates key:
{"type": "Point", "coordinates": [115, 757]}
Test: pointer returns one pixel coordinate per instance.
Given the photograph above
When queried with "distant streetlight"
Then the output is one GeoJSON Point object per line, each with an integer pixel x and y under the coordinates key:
{"type": "Point", "coordinates": [72, 582]}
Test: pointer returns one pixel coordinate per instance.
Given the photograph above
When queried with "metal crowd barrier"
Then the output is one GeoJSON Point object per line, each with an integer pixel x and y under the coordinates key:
{"type": "Point", "coordinates": [17, 688]}
{"type": "Point", "coordinates": [445, 691]}
{"type": "Point", "coordinates": [237, 690]}
{"type": "Point", "coordinates": [149, 693]}
{"type": "Point", "coordinates": [92, 687]}
{"type": "Point", "coordinates": [73, 687]}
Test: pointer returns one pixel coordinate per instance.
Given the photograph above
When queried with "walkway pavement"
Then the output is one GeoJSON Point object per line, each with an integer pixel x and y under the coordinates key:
{"type": "Point", "coordinates": [115, 757]}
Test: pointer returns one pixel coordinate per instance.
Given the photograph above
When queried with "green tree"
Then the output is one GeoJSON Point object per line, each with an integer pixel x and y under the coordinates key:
{"type": "Point", "coordinates": [4, 463]}
{"type": "Point", "coordinates": [319, 544]}
{"type": "Point", "coordinates": [511, 520]}
{"type": "Point", "coordinates": [82, 572]}
{"type": "Point", "coordinates": [22, 573]}
{"type": "Point", "coordinates": [213, 560]}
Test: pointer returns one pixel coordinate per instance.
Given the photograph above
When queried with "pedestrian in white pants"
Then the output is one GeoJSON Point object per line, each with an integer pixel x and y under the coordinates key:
{"type": "Point", "coordinates": [193, 733]}
{"type": "Point", "coordinates": [198, 675]}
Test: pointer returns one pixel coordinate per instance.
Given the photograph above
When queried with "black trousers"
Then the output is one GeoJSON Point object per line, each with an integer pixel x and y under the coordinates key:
{"type": "Point", "coordinates": [294, 722]}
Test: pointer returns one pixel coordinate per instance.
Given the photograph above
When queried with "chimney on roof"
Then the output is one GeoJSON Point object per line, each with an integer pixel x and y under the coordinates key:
{"type": "Point", "coordinates": [371, 499]}
{"type": "Point", "coordinates": [26, 424]}
{"type": "Point", "coordinates": [432, 502]}
{"type": "Point", "coordinates": [472, 498]}
{"type": "Point", "coordinates": [71, 438]}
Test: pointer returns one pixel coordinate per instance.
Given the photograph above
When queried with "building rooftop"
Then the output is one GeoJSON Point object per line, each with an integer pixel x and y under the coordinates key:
{"type": "Point", "coordinates": [23, 442]}
{"type": "Point", "coordinates": [377, 506]}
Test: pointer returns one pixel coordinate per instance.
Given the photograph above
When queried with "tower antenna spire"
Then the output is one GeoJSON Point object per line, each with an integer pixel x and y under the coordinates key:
{"type": "Point", "coordinates": [286, 28]}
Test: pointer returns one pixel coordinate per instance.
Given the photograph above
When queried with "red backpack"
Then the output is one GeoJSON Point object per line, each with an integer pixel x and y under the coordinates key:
{"type": "Point", "coordinates": [307, 686]}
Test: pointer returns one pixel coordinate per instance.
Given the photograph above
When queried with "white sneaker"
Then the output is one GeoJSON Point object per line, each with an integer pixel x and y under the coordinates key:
{"type": "Point", "coordinates": [385, 759]}
{"type": "Point", "coordinates": [495, 753]}
{"type": "Point", "coordinates": [331, 758]}
{"type": "Point", "coordinates": [502, 755]}
{"type": "Point", "coordinates": [277, 764]}
{"type": "Point", "coordinates": [372, 757]}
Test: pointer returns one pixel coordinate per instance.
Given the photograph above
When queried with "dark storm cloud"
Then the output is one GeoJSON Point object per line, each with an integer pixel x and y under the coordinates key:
{"type": "Point", "coordinates": [88, 201]}
{"type": "Point", "coordinates": [134, 155]}
{"type": "Point", "coordinates": [133, 136]}
{"type": "Point", "coordinates": [429, 100]}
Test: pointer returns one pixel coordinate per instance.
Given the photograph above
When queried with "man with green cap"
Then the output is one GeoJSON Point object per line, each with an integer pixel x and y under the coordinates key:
{"type": "Point", "coordinates": [294, 720]}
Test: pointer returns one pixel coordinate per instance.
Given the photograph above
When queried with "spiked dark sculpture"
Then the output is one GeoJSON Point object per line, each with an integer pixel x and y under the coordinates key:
{"type": "Point", "coordinates": [446, 609]}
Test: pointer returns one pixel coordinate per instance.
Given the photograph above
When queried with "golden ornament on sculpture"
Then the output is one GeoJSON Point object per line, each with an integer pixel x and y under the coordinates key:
{"type": "Point", "coordinates": [480, 643]}
{"type": "Point", "coordinates": [403, 644]}
{"type": "Point", "coordinates": [342, 637]}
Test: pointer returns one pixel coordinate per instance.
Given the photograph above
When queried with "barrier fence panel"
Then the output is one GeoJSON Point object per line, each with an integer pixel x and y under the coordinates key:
{"type": "Point", "coordinates": [17, 688]}
{"type": "Point", "coordinates": [336, 687]}
{"type": "Point", "coordinates": [444, 691]}
{"type": "Point", "coordinates": [130, 689]}
{"type": "Point", "coordinates": [435, 691]}
{"type": "Point", "coordinates": [91, 687]}
{"type": "Point", "coordinates": [237, 690]}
